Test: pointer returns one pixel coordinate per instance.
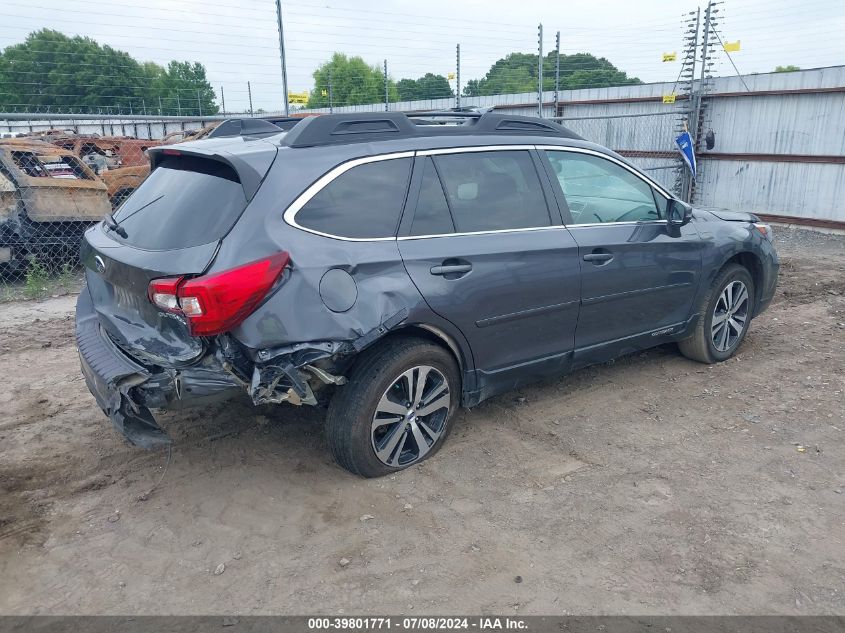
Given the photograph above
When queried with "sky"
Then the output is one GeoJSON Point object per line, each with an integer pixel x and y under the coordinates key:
{"type": "Point", "coordinates": [239, 44]}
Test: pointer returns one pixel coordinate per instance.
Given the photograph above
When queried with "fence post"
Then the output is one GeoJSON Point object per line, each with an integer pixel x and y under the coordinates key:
{"type": "Point", "coordinates": [331, 92]}
{"type": "Point", "coordinates": [223, 100]}
{"type": "Point", "coordinates": [249, 91]}
{"type": "Point", "coordinates": [557, 72]}
{"type": "Point", "coordinates": [386, 98]}
{"type": "Point", "coordinates": [458, 77]}
{"type": "Point", "coordinates": [199, 103]}
{"type": "Point", "coordinates": [540, 71]}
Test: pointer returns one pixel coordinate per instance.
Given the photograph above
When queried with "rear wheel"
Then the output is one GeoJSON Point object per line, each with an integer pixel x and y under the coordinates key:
{"type": "Point", "coordinates": [396, 409]}
{"type": "Point", "coordinates": [725, 316]}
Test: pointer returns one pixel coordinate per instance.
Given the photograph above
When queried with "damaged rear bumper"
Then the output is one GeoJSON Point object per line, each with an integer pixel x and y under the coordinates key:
{"type": "Point", "coordinates": [110, 375]}
{"type": "Point", "coordinates": [126, 390]}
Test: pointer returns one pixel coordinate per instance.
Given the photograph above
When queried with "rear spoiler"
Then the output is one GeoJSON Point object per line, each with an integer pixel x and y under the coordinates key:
{"type": "Point", "coordinates": [251, 163]}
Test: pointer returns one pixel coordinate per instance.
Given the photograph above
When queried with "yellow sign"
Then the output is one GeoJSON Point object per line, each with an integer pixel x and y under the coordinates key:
{"type": "Point", "coordinates": [298, 97]}
{"type": "Point", "coordinates": [731, 47]}
{"type": "Point", "coordinates": [668, 98]}
{"type": "Point", "coordinates": [324, 92]}
{"type": "Point", "coordinates": [670, 57]}
{"type": "Point", "coordinates": [450, 76]}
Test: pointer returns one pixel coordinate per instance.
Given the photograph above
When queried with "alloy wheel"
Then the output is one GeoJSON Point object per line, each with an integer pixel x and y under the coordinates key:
{"type": "Point", "coordinates": [730, 316]}
{"type": "Point", "coordinates": [411, 416]}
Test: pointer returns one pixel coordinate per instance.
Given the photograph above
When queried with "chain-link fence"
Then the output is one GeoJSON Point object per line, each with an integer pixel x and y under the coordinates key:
{"type": "Point", "coordinates": [59, 177]}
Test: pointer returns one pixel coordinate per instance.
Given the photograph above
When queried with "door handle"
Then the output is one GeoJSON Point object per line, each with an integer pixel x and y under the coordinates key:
{"type": "Point", "coordinates": [451, 269]}
{"type": "Point", "coordinates": [598, 258]}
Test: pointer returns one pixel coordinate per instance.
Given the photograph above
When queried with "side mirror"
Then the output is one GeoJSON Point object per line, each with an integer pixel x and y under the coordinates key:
{"type": "Point", "coordinates": [678, 213]}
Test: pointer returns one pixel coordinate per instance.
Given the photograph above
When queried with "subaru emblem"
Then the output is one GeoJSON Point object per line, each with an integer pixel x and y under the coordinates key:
{"type": "Point", "coordinates": [100, 264]}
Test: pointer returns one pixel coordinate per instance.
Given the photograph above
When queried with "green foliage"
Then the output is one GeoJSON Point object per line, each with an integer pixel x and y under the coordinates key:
{"type": "Point", "coordinates": [786, 69]}
{"type": "Point", "coordinates": [37, 279]}
{"type": "Point", "coordinates": [517, 72]}
{"type": "Point", "coordinates": [353, 82]}
{"type": "Point", "coordinates": [429, 86]}
{"type": "Point", "coordinates": [76, 74]}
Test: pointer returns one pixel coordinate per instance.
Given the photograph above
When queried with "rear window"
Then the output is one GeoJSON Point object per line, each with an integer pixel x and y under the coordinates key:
{"type": "Point", "coordinates": [184, 202]}
{"type": "Point", "coordinates": [364, 202]}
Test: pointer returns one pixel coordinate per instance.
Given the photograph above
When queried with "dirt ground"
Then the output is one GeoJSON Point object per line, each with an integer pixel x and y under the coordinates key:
{"type": "Point", "coordinates": [652, 485]}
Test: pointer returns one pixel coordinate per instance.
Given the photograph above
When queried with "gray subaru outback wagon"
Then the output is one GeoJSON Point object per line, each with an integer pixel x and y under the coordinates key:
{"type": "Point", "coordinates": [394, 268]}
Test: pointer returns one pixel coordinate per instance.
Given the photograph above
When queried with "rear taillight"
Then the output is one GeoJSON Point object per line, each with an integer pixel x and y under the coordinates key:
{"type": "Point", "coordinates": [217, 303]}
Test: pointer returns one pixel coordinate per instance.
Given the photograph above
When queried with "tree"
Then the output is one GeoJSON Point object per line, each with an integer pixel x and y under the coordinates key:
{"type": "Point", "coordinates": [517, 72]}
{"type": "Point", "coordinates": [353, 82]}
{"type": "Point", "coordinates": [786, 69]}
{"type": "Point", "coordinates": [429, 86]}
{"type": "Point", "coordinates": [183, 89]}
{"type": "Point", "coordinates": [53, 72]}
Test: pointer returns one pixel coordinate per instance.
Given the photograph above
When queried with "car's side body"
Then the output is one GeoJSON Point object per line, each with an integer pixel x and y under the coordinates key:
{"type": "Point", "coordinates": [528, 306]}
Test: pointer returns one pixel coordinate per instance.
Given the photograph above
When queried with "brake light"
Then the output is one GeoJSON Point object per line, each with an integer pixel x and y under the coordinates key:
{"type": "Point", "coordinates": [213, 304]}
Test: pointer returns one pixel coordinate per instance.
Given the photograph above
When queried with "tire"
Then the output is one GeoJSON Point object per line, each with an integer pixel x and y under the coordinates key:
{"type": "Point", "coordinates": [709, 345]}
{"type": "Point", "coordinates": [371, 410]}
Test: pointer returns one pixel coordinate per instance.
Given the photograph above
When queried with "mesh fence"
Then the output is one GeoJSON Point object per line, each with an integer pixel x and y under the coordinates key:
{"type": "Point", "coordinates": [57, 178]}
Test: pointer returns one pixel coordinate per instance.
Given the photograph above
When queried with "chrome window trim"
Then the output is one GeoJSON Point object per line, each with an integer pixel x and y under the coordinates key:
{"type": "Point", "coordinates": [473, 148]}
{"type": "Point", "coordinates": [323, 181]}
{"type": "Point", "coordinates": [550, 227]}
{"type": "Point", "coordinates": [290, 213]}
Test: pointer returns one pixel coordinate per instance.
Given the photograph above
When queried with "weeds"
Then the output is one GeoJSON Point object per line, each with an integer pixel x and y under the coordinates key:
{"type": "Point", "coordinates": [37, 278]}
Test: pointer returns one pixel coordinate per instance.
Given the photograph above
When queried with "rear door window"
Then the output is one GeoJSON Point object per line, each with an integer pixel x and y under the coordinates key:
{"type": "Point", "coordinates": [184, 202]}
{"type": "Point", "coordinates": [431, 216]}
{"type": "Point", "coordinates": [493, 191]}
{"type": "Point", "coordinates": [364, 202]}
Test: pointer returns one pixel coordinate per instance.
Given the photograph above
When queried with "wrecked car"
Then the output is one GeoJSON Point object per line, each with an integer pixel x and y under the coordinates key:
{"type": "Point", "coordinates": [48, 197]}
{"type": "Point", "coordinates": [394, 269]}
{"type": "Point", "coordinates": [102, 153]}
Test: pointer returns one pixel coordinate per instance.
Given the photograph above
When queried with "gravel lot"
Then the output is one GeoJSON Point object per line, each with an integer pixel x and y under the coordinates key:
{"type": "Point", "coordinates": [652, 485]}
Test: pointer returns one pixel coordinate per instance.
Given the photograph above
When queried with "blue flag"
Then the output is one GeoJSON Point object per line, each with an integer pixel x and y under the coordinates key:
{"type": "Point", "coordinates": [685, 146]}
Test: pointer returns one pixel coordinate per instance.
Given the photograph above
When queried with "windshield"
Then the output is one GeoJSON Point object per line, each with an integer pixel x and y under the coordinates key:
{"type": "Point", "coordinates": [184, 202]}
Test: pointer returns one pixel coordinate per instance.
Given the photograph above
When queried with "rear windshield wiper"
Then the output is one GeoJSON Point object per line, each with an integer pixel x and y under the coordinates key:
{"type": "Point", "coordinates": [112, 224]}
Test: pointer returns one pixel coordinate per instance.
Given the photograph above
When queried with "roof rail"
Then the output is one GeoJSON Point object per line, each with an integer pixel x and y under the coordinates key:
{"type": "Point", "coordinates": [244, 127]}
{"type": "Point", "coordinates": [337, 129]}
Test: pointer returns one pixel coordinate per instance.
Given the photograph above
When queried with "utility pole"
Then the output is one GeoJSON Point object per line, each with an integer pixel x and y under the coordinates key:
{"type": "Point", "coordinates": [223, 100]}
{"type": "Point", "coordinates": [199, 103]}
{"type": "Point", "coordinates": [540, 71]}
{"type": "Point", "coordinates": [331, 92]}
{"type": "Point", "coordinates": [458, 77]}
{"type": "Point", "coordinates": [557, 72]}
{"type": "Point", "coordinates": [282, 56]}
{"type": "Point", "coordinates": [386, 98]}
{"type": "Point", "coordinates": [249, 91]}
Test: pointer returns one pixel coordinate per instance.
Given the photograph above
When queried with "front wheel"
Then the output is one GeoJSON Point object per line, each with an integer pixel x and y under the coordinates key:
{"type": "Point", "coordinates": [725, 316]}
{"type": "Point", "coordinates": [396, 409]}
